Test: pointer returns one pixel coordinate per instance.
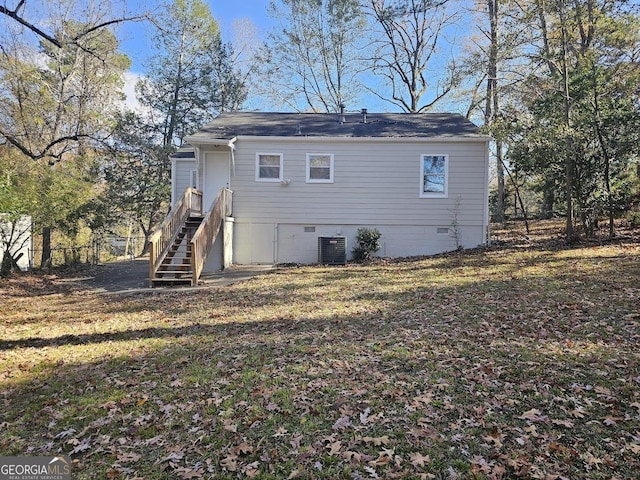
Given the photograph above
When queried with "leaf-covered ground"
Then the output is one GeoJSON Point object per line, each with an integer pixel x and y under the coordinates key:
{"type": "Point", "coordinates": [522, 360]}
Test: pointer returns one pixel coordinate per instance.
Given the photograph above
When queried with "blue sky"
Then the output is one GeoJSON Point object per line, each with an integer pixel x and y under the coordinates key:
{"type": "Point", "coordinates": [136, 37]}
{"type": "Point", "coordinates": [226, 11]}
{"type": "Point", "coordinates": [136, 42]}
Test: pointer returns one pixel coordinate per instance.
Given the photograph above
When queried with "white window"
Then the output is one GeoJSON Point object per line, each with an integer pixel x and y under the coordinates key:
{"type": "Point", "coordinates": [319, 168]}
{"type": "Point", "coordinates": [269, 167]}
{"type": "Point", "coordinates": [434, 176]}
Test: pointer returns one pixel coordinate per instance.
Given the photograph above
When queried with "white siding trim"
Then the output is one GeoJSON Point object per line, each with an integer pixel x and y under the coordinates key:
{"type": "Point", "coordinates": [331, 164]}
{"type": "Point", "coordinates": [486, 220]}
{"type": "Point", "coordinates": [280, 178]}
{"type": "Point", "coordinates": [445, 194]}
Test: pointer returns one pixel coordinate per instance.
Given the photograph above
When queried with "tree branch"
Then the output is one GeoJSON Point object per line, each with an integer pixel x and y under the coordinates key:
{"type": "Point", "coordinates": [15, 16]}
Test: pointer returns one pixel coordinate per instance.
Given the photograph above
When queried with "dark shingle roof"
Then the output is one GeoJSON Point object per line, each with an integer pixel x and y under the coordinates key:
{"type": "Point", "coordinates": [185, 152]}
{"type": "Point", "coordinates": [271, 124]}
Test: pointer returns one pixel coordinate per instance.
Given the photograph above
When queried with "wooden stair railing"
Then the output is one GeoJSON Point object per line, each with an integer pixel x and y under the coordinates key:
{"type": "Point", "coordinates": [208, 230]}
{"type": "Point", "coordinates": [164, 238]}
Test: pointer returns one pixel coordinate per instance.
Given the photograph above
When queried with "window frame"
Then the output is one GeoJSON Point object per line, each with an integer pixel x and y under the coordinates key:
{"type": "Point", "coordinates": [331, 168]}
{"type": "Point", "coordinates": [281, 167]}
{"type": "Point", "coordinates": [445, 192]}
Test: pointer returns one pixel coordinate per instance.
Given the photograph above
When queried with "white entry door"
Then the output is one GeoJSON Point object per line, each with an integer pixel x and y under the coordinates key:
{"type": "Point", "coordinates": [216, 176]}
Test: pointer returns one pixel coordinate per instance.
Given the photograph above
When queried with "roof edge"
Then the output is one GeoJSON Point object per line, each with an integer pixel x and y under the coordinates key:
{"type": "Point", "coordinates": [203, 140]}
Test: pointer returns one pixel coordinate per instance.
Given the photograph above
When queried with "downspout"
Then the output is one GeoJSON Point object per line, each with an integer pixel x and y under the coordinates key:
{"type": "Point", "coordinates": [276, 227]}
{"type": "Point", "coordinates": [232, 147]}
{"type": "Point", "coordinates": [487, 224]}
{"type": "Point", "coordinates": [199, 169]}
{"type": "Point", "coordinates": [173, 181]}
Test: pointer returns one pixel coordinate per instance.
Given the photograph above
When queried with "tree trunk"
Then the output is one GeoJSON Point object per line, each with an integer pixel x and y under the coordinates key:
{"type": "Point", "coordinates": [6, 265]}
{"type": "Point", "coordinates": [570, 235]}
{"type": "Point", "coordinates": [548, 199]}
{"type": "Point", "coordinates": [45, 259]}
{"type": "Point", "coordinates": [492, 107]}
{"type": "Point", "coordinates": [605, 152]}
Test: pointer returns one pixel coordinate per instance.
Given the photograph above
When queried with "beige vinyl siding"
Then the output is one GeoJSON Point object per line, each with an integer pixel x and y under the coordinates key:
{"type": "Point", "coordinates": [375, 183]}
{"type": "Point", "coordinates": [182, 177]}
{"type": "Point", "coordinates": [295, 245]}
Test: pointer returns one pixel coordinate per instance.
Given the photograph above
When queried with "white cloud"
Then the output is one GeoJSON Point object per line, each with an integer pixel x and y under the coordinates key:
{"type": "Point", "coordinates": [129, 89]}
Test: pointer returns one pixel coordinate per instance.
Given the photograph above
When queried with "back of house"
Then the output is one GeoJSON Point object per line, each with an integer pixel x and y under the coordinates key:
{"type": "Point", "coordinates": [420, 179]}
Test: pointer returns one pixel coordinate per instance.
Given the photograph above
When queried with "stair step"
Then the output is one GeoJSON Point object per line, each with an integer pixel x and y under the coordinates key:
{"type": "Point", "coordinates": [170, 281]}
{"type": "Point", "coordinates": [176, 249]}
{"type": "Point", "coordinates": [179, 257]}
{"type": "Point", "coordinates": [174, 267]}
{"type": "Point", "coordinates": [173, 276]}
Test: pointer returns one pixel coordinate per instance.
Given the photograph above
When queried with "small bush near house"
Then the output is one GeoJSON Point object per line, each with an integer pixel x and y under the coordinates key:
{"type": "Point", "coordinates": [368, 243]}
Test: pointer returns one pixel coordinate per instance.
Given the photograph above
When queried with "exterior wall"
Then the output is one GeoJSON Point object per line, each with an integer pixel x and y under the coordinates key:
{"type": "Point", "coordinates": [376, 184]}
{"type": "Point", "coordinates": [220, 254]}
{"type": "Point", "coordinates": [180, 177]}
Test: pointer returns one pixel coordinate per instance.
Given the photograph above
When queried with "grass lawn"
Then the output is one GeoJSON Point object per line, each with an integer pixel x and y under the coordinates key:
{"type": "Point", "coordinates": [522, 360]}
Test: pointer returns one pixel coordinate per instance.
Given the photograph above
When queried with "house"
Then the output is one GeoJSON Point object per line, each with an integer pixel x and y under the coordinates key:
{"type": "Point", "coordinates": [420, 179]}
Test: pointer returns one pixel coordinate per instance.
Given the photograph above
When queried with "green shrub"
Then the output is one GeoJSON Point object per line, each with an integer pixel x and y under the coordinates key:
{"type": "Point", "coordinates": [367, 243]}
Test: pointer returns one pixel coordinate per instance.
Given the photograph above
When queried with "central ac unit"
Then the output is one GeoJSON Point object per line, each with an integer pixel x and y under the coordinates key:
{"type": "Point", "coordinates": [332, 250]}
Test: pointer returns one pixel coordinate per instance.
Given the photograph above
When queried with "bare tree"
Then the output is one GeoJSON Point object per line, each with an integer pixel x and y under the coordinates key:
{"type": "Point", "coordinates": [311, 60]}
{"type": "Point", "coordinates": [406, 38]}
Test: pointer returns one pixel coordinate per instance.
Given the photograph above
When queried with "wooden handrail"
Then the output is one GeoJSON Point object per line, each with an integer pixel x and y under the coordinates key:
{"type": "Point", "coordinates": [208, 230]}
{"type": "Point", "coordinates": [161, 240]}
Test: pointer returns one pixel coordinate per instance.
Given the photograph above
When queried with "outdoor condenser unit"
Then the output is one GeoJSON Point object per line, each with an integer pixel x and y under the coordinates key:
{"type": "Point", "coordinates": [332, 250]}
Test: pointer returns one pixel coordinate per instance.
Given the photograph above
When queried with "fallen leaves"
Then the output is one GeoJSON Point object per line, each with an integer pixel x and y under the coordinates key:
{"type": "Point", "coordinates": [419, 460]}
{"type": "Point", "coordinates": [563, 423]}
{"type": "Point", "coordinates": [342, 423]}
{"type": "Point", "coordinates": [533, 415]}
{"type": "Point", "coordinates": [495, 364]}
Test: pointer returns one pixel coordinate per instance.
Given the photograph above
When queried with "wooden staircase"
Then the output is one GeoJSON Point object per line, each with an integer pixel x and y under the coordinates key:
{"type": "Point", "coordinates": [178, 249]}
{"type": "Point", "coordinates": [176, 266]}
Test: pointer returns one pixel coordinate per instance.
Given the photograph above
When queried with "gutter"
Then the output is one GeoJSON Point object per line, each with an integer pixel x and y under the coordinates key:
{"type": "Point", "coordinates": [198, 142]}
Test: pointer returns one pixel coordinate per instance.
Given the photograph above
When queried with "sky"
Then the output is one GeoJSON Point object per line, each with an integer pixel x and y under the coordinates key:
{"type": "Point", "coordinates": [136, 37]}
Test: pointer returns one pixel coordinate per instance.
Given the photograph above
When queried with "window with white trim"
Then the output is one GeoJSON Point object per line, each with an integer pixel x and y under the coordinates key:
{"type": "Point", "coordinates": [434, 176]}
{"type": "Point", "coordinates": [269, 167]}
{"type": "Point", "coordinates": [319, 168]}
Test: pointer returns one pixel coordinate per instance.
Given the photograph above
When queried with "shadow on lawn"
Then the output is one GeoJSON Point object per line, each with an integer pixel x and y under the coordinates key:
{"type": "Point", "coordinates": [92, 338]}
{"type": "Point", "coordinates": [408, 342]}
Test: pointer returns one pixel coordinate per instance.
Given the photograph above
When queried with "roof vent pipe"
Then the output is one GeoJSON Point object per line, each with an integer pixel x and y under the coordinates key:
{"type": "Point", "coordinates": [364, 115]}
{"type": "Point", "coordinates": [342, 116]}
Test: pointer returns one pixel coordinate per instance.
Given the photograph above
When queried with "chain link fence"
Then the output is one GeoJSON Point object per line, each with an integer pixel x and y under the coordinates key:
{"type": "Point", "coordinates": [108, 248]}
